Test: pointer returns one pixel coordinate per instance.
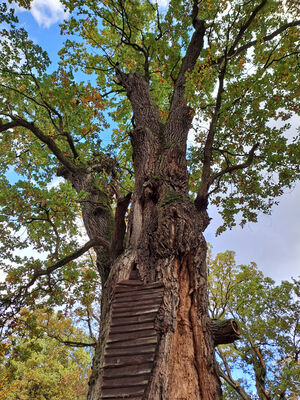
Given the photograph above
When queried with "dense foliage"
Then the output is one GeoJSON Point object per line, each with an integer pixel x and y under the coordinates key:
{"type": "Point", "coordinates": [34, 365]}
{"type": "Point", "coordinates": [266, 358]}
{"type": "Point", "coordinates": [38, 362]}
{"type": "Point", "coordinates": [136, 78]}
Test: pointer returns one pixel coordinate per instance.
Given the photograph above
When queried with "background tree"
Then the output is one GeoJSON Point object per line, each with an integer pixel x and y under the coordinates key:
{"type": "Point", "coordinates": [267, 354]}
{"type": "Point", "coordinates": [222, 68]}
{"type": "Point", "coordinates": [35, 366]}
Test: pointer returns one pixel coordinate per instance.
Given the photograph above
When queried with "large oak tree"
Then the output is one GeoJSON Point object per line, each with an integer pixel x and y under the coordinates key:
{"type": "Point", "coordinates": [220, 71]}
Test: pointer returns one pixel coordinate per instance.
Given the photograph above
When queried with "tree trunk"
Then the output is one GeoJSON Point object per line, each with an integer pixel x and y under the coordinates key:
{"type": "Point", "coordinates": [165, 243]}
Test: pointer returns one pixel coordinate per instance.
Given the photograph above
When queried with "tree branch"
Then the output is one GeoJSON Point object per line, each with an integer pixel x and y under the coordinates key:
{"type": "Point", "coordinates": [146, 113]}
{"type": "Point", "coordinates": [234, 384]}
{"type": "Point", "coordinates": [188, 63]}
{"type": "Point", "coordinates": [201, 201]}
{"type": "Point", "coordinates": [224, 331]}
{"type": "Point", "coordinates": [245, 27]}
{"type": "Point", "coordinates": [232, 168]}
{"type": "Point", "coordinates": [265, 38]}
{"type": "Point", "coordinates": [71, 343]}
{"type": "Point", "coordinates": [17, 121]}
{"type": "Point", "coordinates": [70, 257]}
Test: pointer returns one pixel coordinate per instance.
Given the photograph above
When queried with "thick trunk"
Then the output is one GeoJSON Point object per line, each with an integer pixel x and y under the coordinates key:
{"type": "Point", "coordinates": [164, 244]}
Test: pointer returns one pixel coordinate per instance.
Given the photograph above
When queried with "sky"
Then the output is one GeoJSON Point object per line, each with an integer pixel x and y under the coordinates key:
{"type": "Point", "coordinates": [273, 242]}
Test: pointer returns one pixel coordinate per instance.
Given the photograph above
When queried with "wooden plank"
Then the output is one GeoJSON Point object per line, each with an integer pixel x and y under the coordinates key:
{"type": "Point", "coordinates": [133, 342]}
{"type": "Point", "coordinates": [130, 289]}
{"type": "Point", "coordinates": [132, 397]}
{"type": "Point", "coordinates": [132, 282]}
{"type": "Point", "coordinates": [130, 350]}
{"type": "Point", "coordinates": [137, 311]}
{"type": "Point", "coordinates": [126, 320]}
{"type": "Point", "coordinates": [132, 328]}
{"type": "Point", "coordinates": [129, 370]}
{"type": "Point", "coordinates": [131, 390]}
{"type": "Point", "coordinates": [116, 337]}
{"type": "Point", "coordinates": [132, 304]}
{"type": "Point", "coordinates": [138, 293]}
{"type": "Point", "coordinates": [136, 380]}
{"type": "Point", "coordinates": [132, 359]}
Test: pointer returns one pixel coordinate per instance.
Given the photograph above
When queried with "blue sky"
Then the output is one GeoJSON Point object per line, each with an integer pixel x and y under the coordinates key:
{"type": "Point", "coordinates": [273, 243]}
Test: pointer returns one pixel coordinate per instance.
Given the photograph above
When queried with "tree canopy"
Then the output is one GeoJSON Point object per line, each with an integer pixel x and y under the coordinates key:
{"type": "Point", "coordinates": [112, 119]}
{"type": "Point", "coordinates": [34, 364]}
{"type": "Point", "coordinates": [267, 354]}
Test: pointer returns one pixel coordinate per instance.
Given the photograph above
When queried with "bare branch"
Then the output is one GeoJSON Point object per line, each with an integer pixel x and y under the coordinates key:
{"type": "Point", "coordinates": [71, 343]}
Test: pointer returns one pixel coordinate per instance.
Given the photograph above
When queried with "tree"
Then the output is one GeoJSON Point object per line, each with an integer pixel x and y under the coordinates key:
{"type": "Point", "coordinates": [35, 366]}
{"type": "Point", "coordinates": [268, 317]}
{"type": "Point", "coordinates": [221, 68]}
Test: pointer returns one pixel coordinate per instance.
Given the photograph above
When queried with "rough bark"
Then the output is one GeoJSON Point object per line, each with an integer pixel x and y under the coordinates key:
{"type": "Point", "coordinates": [96, 214]}
{"type": "Point", "coordinates": [165, 243]}
{"type": "Point", "coordinates": [224, 331]}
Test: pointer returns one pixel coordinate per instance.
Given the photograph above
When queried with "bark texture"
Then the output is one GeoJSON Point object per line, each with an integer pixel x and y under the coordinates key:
{"type": "Point", "coordinates": [165, 243]}
{"type": "Point", "coordinates": [224, 331]}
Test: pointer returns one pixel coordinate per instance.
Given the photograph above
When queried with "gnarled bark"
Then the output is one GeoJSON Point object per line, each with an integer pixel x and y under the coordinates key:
{"type": "Point", "coordinates": [165, 243]}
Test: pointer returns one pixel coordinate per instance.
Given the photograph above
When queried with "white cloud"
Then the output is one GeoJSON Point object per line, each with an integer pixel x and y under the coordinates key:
{"type": "Point", "coordinates": [47, 12]}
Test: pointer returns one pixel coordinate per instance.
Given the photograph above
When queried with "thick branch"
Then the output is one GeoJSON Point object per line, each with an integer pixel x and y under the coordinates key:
{"type": "Point", "coordinates": [69, 258]}
{"type": "Point", "coordinates": [265, 38]}
{"type": "Point", "coordinates": [179, 111]}
{"type": "Point", "coordinates": [9, 125]}
{"type": "Point", "coordinates": [246, 26]}
{"type": "Point", "coordinates": [224, 331]}
{"type": "Point", "coordinates": [145, 112]}
{"type": "Point", "coordinates": [201, 201]}
{"type": "Point", "coordinates": [17, 121]}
